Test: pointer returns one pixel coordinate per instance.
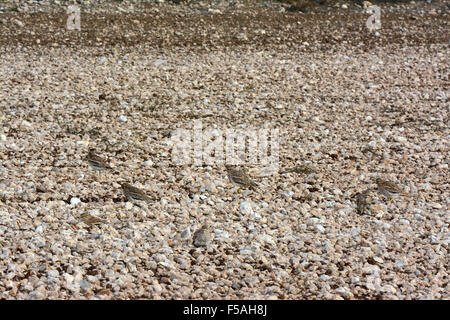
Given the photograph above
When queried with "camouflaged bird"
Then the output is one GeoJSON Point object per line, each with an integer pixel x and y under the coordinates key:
{"type": "Point", "coordinates": [133, 193]}
{"type": "Point", "coordinates": [91, 220]}
{"type": "Point", "coordinates": [239, 177]}
{"type": "Point", "coordinates": [201, 237]}
{"type": "Point", "coordinates": [361, 202]}
{"type": "Point", "coordinates": [96, 162]}
{"type": "Point", "coordinates": [388, 188]}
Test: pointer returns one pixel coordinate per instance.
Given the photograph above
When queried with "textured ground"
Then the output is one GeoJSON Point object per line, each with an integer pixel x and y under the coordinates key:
{"type": "Point", "coordinates": [349, 104]}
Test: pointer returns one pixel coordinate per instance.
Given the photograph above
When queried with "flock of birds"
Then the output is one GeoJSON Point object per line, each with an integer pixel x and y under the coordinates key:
{"type": "Point", "coordinates": [238, 177]}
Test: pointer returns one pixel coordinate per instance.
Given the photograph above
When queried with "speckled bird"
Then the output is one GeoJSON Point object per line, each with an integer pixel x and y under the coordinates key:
{"type": "Point", "coordinates": [388, 188]}
{"type": "Point", "coordinates": [239, 177]}
{"type": "Point", "coordinates": [133, 193]}
{"type": "Point", "coordinates": [361, 202]}
{"type": "Point", "coordinates": [201, 237]}
{"type": "Point", "coordinates": [91, 220]}
{"type": "Point", "coordinates": [96, 162]}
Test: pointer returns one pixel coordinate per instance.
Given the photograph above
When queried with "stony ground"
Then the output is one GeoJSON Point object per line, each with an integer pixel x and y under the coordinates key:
{"type": "Point", "coordinates": [350, 105]}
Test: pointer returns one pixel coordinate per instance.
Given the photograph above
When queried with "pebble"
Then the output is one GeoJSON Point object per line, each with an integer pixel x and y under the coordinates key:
{"type": "Point", "coordinates": [246, 208]}
{"type": "Point", "coordinates": [148, 163]}
{"type": "Point", "coordinates": [74, 201]}
{"type": "Point", "coordinates": [85, 285]}
{"type": "Point", "coordinates": [312, 221]}
{"type": "Point", "coordinates": [319, 228]}
{"type": "Point", "coordinates": [53, 273]}
{"type": "Point", "coordinates": [128, 205]}
{"type": "Point", "coordinates": [354, 233]}
{"type": "Point", "coordinates": [122, 119]}
{"type": "Point", "coordinates": [186, 234]}
{"type": "Point", "coordinates": [403, 221]}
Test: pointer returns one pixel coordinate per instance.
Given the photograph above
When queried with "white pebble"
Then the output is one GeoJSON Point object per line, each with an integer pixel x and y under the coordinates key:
{"type": "Point", "coordinates": [52, 273]}
{"type": "Point", "coordinates": [246, 208]}
{"type": "Point", "coordinates": [128, 205]}
{"type": "Point", "coordinates": [25, 123]}
{"type": "Point", "coordinates": [354, 232]}
{"type": "Point", "coordinates": [148, 163]}
{"type": "Point", "coordinates": [186, 234]}
{"type": "Point", "coordinates": [312, 221]}
{"type": "Point", "coordinates": [319, 228]}
{"type": "Point", "coordinates": [255, 215]}
{"type": "Point", "coordinates": [400, 139]}
{"type": "Point", "coordinates": [122, 119]}
{"type": "Point", "coordinates": [74, 201]}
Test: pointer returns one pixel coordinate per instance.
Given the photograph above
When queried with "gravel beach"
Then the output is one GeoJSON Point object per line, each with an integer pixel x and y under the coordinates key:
{"type": "Point", "coordinates": [350, 105]}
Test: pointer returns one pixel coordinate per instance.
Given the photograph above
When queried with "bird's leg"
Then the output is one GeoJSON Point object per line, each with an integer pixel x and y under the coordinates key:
{"type": "Point", "coordinates": [391, 199]}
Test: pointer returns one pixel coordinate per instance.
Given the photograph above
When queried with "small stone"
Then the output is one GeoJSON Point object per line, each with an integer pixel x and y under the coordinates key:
{"type": "Point", "coordinates": [246, 208]}
{"type": "Point", "coordinates": [157, 288]}
{"type": "Point", "coordinates": [354, 232]}
{"type": "Point", "coordinates": [148, 163]}
{"type": "Point", "coordinates": [370, 286]}
{"type": "Point", "coordinates": [344, 291]}
{"type": "Point", "coordinates": [388, 288]}
{"type": "Point", "coordinates": [122, 119]}
{"type": "Point", "coordinates": [211, 188]}
{"type": "Point", "coordinates": [166, 264]}
{"type": "Point", "coordinates": [434, 239]}
{"type": "Point", "coordinates": [403, 221]}
{"type": "Point", "coordinates": [371, 269]}
{"type": "Point", "coordinates": [378, 259]}
{"type": "Point", "coordinates": [400, 139]}
{"type": "Point", "coordinates": [436, 205]}
{"type": "Point", "coordinates": [319, 228]}
{"type": "Point", "coordinates": [221, 234]}
{"type": "Point", "coordinates": [366, 4]}
{"type": "Point", "coordinates": [186, 234]}
{"type": "Point", "coordinates": [18, 23]}
{"type": "Point", "coordinates": [25, 123]}
{"type": "Point", "coordinates": [128, 205]}
{"type": "Point", "coordinates": [255, 215]}
{"type": "Point", "coordinates": [85, 285]}
{"type": "Point", "coordinates": [52, 273]}
{"type": "Point", "coordinates": [312, 221]}
{"type": "Point", "coordinates": [160, 62]}
{"type": "Point", "coordinates": [74, 201]}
